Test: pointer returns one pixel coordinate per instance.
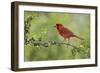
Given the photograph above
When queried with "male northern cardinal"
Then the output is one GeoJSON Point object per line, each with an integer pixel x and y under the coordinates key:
{"type": "Point", "coordinates": [65, 32]}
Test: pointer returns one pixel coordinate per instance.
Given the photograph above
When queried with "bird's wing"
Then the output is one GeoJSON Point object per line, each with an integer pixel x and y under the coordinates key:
{"type": "Point", "coordinates": [66, 30]}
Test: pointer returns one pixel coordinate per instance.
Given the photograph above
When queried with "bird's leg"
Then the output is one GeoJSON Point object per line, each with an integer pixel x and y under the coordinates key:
{"type": "Point", "coordinates": [64, 39]}
{"type": "Point", "coordinates": [68, 42]}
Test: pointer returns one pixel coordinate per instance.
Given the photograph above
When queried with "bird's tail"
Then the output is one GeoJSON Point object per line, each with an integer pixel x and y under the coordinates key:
{"type": "Point", "coordinates": [78, 37]}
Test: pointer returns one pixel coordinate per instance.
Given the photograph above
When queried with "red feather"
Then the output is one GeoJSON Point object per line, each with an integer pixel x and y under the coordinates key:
{"type": "Point", "coordinates": [65, 32]}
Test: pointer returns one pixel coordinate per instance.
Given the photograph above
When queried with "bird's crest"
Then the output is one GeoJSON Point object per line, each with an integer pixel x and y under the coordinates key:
{"type": "Point", "coordinates": [59, 26]}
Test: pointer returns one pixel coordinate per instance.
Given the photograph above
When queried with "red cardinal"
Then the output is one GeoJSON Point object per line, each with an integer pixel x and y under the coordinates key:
{"type": "Point", "coordinates": [65, 32]}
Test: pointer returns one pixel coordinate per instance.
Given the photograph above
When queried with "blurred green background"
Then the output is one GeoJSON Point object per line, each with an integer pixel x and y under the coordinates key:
{"type": "Point", "coordinates": [39, 26]}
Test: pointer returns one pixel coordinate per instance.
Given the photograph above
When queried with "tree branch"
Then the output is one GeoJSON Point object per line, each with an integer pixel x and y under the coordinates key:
{"type": "Point", "coordinates": [47, 43]}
